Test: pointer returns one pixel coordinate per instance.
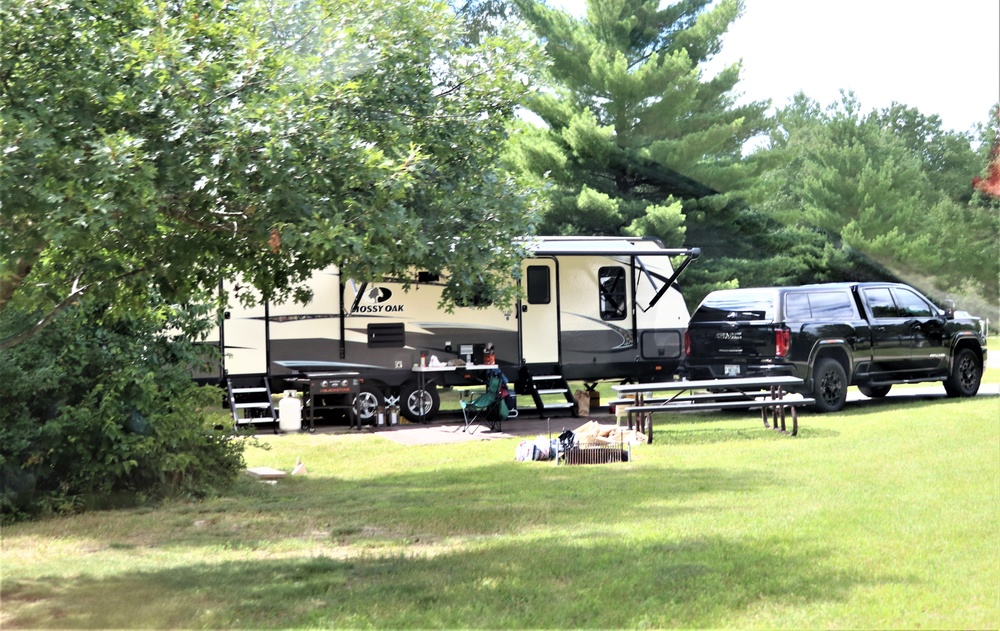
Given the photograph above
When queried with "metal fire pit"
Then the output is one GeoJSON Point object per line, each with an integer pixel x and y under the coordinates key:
{"type": "Point", "coordinates": [597, 455]}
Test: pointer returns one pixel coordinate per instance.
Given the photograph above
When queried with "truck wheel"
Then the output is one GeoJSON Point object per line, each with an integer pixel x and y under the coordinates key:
{"type": "Point", "coordinates": [420, 405]}
{"type": "Point", "coordinates": [875, 392]}
{"type": "Point", "coordinates": [829, 386]}
{"type": "Point", "coordinates": [368, 401]}
{"type": "Point", "coordinates": [966, 373]}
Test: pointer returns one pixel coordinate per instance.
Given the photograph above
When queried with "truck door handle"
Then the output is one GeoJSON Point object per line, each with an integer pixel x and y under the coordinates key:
{"type": "Point", "coordinates": [524, 308]}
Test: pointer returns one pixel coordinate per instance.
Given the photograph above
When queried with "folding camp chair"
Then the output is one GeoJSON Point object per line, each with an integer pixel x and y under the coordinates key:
{"type": "Point", "coordinates": [489, 408]}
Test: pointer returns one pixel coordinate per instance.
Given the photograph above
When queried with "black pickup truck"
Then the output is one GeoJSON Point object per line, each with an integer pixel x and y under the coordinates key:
{"type": "Point", "coordinates": [835, 335]}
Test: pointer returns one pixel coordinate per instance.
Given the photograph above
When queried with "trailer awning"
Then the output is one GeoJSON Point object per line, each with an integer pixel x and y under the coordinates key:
{"type": "Point", "coordinates": [603, 246]}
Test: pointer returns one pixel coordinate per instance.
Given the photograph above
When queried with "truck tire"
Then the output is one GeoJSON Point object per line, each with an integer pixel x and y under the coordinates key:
{"type": "Point", "coordinates": [966, 373]}
{"type": "Point", "coordinates": [368, 401]}
{"type": "Point", "coordinates": [419, 405]}
{"type": "Point", "coordinates": [829, 386]}
{"type": "Point", "coordinates": [874, 392]}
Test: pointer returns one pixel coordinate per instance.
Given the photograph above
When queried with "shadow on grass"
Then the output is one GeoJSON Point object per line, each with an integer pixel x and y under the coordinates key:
{"type": "Point", "coordinates": [728, 427]}
{"type": "Point", "coordinates": [698, 582]}
{"type": "Point", "coordinates": [697, 436]}
{"type": "Point", "coordinates": [500, 499]}
{"type": "Point", "coordinates": [677, 429]}
{"type": "Point", "coordinates": [915, 404]}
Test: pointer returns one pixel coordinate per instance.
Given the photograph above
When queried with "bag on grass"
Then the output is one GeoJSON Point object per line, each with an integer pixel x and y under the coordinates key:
{"type": "Point", "coordinates": [525, 451]}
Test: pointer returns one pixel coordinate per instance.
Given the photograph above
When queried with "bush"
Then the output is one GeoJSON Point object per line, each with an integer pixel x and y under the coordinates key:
{"type": "Point", "coordinates": [92, 408]}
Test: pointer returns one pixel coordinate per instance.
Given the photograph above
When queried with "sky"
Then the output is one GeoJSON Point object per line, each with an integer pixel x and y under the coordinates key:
{"type": "Point", "coordinates": [941, 57]}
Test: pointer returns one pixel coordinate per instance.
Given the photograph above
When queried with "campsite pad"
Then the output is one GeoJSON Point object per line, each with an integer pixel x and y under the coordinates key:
{"type": "Point", "coordinates": [447, 428]}
{"type": "Point", "coordinates": [438, 435]}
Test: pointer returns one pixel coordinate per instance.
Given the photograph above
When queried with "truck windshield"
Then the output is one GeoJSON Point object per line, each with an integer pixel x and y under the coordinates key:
{"type": "Point", "coordinates": [721, 306]}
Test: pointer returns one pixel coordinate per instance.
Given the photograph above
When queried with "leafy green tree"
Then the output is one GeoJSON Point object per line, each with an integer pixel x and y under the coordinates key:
{"type": "Point", "coordinates": [632, 131]}
{"type": "Point", "coordinates": [892, 186]}
{"type": "Point", "coordinates": [152, 146]}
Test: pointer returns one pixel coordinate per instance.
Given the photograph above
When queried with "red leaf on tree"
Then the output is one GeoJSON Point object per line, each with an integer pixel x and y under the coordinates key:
{"type": "Point", "coordinates": [991, 183]}
{"type": "Point", "coordinates": [275, 240]}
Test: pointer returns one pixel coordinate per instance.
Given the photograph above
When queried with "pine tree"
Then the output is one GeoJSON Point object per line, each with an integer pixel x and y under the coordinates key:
{"type": "Point", "coordinates": [635, 137]}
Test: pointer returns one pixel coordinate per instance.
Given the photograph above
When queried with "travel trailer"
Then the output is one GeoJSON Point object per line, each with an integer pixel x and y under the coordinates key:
{"type": "Point", "coordinates": [591, 309]}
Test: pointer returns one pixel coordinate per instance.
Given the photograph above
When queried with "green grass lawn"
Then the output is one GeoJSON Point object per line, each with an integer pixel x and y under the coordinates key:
{"type": "Point", "coordinates": [886, 515]}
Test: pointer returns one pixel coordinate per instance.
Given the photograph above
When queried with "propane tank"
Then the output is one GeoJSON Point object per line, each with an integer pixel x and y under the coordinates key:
{"type": "Point", "coordinates": [290, 412]}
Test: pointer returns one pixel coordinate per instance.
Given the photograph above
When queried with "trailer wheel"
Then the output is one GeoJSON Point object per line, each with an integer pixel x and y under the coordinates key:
{"type": "Point", "coordinates": [368, 401]}
{"type": "Point", "coordinates": [420, 405]}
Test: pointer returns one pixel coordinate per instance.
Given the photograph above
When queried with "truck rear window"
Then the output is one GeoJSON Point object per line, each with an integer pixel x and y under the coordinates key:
{"type": "Point", "coordinates": [733, 305]}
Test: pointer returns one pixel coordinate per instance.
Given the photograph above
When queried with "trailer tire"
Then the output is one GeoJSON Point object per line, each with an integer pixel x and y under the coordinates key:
{"type": "Point", "coordinates": [370, 398]}
{"type": "Point", "coordinates": [419, 405]}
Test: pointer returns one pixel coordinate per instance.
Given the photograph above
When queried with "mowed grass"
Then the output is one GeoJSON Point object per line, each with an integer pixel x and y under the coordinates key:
{"type": "Point", "coordinates": [886, 515]}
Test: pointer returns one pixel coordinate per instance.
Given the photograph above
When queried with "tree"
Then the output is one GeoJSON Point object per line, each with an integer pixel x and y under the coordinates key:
{"type": "Point", "coordinates": [157, 146]}
{"type": "Point", "coordinates": [633, 133]}
{"type": "Point", "coordinates": [892, 185]}
{"type": "Point", "coordinates": [150, 149]}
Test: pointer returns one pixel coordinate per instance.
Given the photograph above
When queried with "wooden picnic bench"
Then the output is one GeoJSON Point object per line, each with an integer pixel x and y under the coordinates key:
{"type": "Point", "coordinates": [765, 393]}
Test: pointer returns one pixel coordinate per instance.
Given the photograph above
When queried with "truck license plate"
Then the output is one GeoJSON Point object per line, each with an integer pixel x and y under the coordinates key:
{"type": "Point", "coordinates": [732, 370]}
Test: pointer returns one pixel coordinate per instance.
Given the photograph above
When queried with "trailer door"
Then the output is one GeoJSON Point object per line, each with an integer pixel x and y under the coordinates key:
{"type": "Point", "coordinates": [244, 336]}
{"type": "Point", "coordinates": [539, 321]}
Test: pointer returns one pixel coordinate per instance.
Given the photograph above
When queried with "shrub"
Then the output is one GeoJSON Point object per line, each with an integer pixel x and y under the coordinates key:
{"type": "Point", "coordinates": [91, 407]}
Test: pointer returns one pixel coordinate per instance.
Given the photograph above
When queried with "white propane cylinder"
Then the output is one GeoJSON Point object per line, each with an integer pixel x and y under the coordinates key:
{"type": "Point", "coordinates": [290, 412]}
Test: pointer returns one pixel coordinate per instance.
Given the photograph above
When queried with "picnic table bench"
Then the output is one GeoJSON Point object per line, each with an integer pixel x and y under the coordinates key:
{"type": "Point", "coordinates": [765, 393]}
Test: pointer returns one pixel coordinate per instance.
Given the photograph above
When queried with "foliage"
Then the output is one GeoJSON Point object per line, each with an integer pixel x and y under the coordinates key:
{"type": "Point", "coordinates": [631, 127]}
{"type": "Point", "coordinates": [636, 141]}
{"type": "Point", "coordinates": [85, 412]}
{"type": "Point", "coordinates": [892, 185]}
{"type": "Point", "coordinates": [154, 146]}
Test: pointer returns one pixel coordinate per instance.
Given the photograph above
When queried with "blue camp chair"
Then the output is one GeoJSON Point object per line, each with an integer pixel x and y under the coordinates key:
{"type": "Point", "coordinates": [489, 408]}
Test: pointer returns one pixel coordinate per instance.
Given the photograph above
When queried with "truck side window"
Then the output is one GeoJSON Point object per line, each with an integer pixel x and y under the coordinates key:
{"type": "Point", "coordinates": [539, 285]}
{"type": "Point", "coordinates": [797, 307]}
{"type": "Point", "coordinates": [911, 305]}
{"type": "Point", "coordinates": [818, 305]}
{"type": "Point", "coordinates": [880, 302]}
{"type": "Point", "coordinates": [831, 305]}
{"type": "Point", "coordinates": [611, 285]}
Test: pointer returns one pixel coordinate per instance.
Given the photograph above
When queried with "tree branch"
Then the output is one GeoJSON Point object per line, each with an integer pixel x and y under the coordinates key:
{"type": "Point", "coordinates": [66, 303]}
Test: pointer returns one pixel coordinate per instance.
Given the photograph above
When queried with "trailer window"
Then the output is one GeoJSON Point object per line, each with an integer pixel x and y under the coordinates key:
{"type": "Point", "coordinates": [611, 284]}
{"type": "Point", "coordinates": [386, 335]}
{"type": "Point", "coordinates": [539, 285]}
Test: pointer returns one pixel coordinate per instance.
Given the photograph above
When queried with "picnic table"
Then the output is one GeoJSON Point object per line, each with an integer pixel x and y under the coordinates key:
{"type": "Point", "coordinates": [766, 393]}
